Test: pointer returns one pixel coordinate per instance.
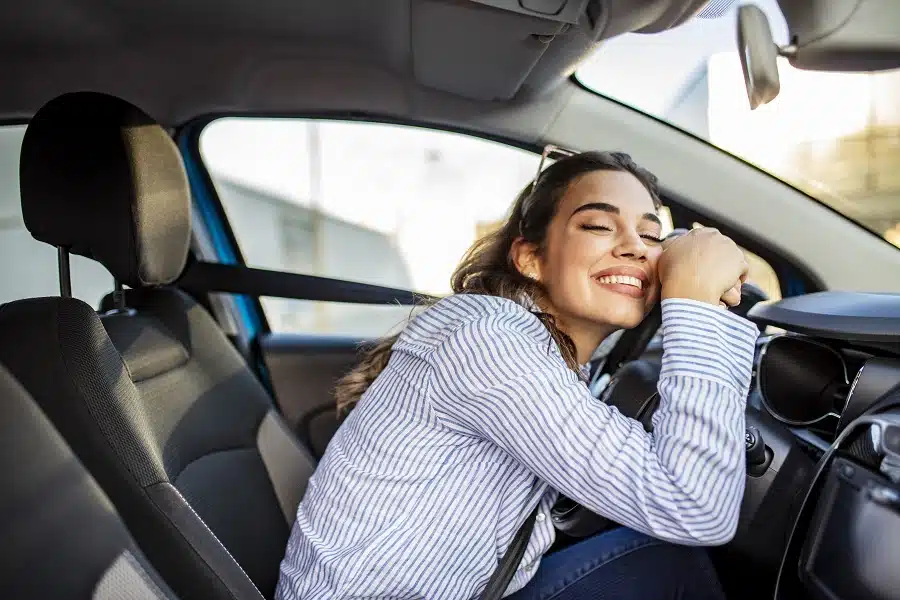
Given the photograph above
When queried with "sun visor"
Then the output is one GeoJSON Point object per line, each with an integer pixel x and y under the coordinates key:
{"type": "Point", "coordinates": [563, 11]}
{"type": "Point", "coordinates": [477, 51]}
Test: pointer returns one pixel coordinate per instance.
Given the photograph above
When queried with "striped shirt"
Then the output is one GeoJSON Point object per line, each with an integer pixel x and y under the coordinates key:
{"type": "Point", "coordinates": [477, 419]}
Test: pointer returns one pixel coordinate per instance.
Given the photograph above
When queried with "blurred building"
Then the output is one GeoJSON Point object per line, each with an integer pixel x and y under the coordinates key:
{"type": "Point", "coordinates": [279, 234]}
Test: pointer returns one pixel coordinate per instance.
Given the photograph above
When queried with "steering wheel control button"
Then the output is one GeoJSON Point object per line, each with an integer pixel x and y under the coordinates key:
{"type": "Point", "coordinates": [758, 458]}
{"type": "Point", "coordinates": [749, 439]}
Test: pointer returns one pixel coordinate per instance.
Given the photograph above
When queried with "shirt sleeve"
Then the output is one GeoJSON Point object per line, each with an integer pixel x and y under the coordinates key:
{"type": "Point", "coordinates": [500, 378]}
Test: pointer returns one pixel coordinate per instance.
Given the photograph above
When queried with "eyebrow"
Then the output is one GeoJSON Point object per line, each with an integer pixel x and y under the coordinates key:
{"type": "Point", "coordinates": [609, 208]}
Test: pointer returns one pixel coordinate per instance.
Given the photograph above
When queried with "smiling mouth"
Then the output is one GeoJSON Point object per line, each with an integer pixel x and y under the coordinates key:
{"type": "Point", "coordinates": [622, 284]}
{"type": "Point", "coordinates": [621, 280]}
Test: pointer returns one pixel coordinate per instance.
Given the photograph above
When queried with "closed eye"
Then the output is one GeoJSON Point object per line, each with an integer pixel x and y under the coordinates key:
{"type": "Point", "coordinates": [588, 227]}
{"type": "Point", "coordinates": [647, 236]}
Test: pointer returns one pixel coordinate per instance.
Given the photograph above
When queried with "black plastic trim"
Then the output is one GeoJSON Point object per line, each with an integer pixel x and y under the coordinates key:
{"type": "Point", "coordinates": [850, 316]}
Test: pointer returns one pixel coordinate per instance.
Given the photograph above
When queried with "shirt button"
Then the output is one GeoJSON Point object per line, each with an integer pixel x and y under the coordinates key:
{"type": "Point", "coordinates": [540, 517]}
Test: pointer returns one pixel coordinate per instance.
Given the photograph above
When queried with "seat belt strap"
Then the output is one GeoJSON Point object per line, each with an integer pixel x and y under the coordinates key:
{"type": "Point", "coordinates": [506, 568]}
{"type": "Point", "coordinates": [202, 277]}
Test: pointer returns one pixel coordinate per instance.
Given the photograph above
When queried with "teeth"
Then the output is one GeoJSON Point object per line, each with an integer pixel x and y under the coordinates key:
{"type": "Point", "coordinates": [623, 279]}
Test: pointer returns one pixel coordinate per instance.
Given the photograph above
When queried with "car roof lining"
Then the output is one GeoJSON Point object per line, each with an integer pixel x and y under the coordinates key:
{"type": "Point", "coordinates": [181, 58]}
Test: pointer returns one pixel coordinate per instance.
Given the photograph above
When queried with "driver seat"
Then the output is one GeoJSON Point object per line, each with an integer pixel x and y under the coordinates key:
{"type": "Point", "coordinates": [151, 396]}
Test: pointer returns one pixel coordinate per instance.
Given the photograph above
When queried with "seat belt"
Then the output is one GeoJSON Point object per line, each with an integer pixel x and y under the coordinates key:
{"type": "Point", "coordinates": [508, 565]}
{"type": "Point", "coordinates": [202, 277]}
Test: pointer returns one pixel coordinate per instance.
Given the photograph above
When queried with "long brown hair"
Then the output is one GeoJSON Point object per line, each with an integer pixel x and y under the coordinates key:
{"type": "Point", "coordinates": [487, 267]}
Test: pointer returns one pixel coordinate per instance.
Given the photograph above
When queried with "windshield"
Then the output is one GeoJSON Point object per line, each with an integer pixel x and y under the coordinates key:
{"type": "Point", "coordinates": [835, 136]}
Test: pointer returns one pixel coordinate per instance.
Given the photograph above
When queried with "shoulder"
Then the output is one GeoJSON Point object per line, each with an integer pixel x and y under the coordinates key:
{"type": "Point", "coordinates": [474, 316]}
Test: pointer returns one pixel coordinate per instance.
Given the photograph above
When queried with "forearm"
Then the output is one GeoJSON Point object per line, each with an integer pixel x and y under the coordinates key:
{"type": "Point", "coordinates": [683, 482]}
{"type": "Point", "coordinates": [699, 427]}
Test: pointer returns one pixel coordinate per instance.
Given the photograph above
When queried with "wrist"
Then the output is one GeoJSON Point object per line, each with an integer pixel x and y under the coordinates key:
{"type": "Point", "coordinates": [674, 293]}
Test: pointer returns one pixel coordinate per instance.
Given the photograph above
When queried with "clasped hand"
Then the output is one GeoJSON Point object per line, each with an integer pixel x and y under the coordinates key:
{"type": "Point", "coordinates": [703, 265]}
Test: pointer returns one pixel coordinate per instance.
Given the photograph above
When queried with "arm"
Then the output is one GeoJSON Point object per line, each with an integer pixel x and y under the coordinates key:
{"type": "Point", "coordinates": [495, 378]}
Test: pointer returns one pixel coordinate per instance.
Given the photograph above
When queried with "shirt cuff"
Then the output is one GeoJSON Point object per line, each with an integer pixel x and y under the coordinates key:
{"type": "Point", "coordinates": [708, 342]}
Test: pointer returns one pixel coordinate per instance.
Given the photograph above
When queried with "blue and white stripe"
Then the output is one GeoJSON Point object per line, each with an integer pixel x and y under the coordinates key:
{"type": "Point", "coordinates": [476, 419]}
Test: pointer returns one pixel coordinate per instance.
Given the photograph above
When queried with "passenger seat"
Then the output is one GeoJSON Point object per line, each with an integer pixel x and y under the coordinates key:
{"type": "Point", "coordinates": [62, 538]}
{"type": "Point", "coordinates": [151, 396]}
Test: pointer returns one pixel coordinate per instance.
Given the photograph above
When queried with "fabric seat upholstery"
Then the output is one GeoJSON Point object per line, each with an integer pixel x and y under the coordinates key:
{"type": "Point", "coordinates": [62, 538]}
{"type": "Point", "coordinates": [152, 397]}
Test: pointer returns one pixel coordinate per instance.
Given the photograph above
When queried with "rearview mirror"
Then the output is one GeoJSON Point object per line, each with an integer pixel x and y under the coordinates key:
{"type": "Point", "coordinates": [759, 55]}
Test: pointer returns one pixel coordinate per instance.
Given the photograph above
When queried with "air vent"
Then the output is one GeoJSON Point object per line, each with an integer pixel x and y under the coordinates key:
{"type": "Point", "coordinates": [715, 9]}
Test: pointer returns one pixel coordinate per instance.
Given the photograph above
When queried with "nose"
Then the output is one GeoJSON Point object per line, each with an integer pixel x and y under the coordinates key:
{"type": "Point", "coordinates": [630, 245]}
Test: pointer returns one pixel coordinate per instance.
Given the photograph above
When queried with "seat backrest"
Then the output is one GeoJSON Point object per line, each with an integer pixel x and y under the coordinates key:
{"type": "Point", "coordinates": [152, 396]}
{"type": "Point", "coordinates": [62, 538]}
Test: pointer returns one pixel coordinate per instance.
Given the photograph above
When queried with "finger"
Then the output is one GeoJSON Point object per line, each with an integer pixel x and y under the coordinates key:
{"type": "Point", "coordinates": [733, 296]}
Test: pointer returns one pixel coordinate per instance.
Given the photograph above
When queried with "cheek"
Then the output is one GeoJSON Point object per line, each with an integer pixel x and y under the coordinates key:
{"type": "Point", "coordinates": [653, 255]}
{"type": "Point", "coordinates": [652, 259]}
{"type": "Point", "coordinates": [583, 252]}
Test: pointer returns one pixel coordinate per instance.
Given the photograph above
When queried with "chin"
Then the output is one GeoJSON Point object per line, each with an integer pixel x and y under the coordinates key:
{"type": "Point", "coordinates": [624, 317]}
{"type": "Point", "coordinates": [626, 322]}
{"type": "Point", "coordinates": [628, 315]}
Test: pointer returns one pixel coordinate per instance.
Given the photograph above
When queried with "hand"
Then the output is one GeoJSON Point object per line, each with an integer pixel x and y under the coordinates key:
{"type": "Point", "coordinates": [702, 265]}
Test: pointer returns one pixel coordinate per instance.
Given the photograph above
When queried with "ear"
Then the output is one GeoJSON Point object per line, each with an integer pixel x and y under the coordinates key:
{"type": "Point", "coordinates": [525, 258]}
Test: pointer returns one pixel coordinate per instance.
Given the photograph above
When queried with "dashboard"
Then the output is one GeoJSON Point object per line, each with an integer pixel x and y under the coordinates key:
{"type": "Point", "coordinates": [824, 361]}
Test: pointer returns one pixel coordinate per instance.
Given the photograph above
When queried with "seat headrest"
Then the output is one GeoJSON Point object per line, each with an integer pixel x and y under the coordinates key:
{"type": "Point", "coordinates": [102, 179]}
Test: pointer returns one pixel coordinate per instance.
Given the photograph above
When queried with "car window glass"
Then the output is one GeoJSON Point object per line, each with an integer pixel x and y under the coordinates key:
{"type": "Point", "coordinates": [369, 202]}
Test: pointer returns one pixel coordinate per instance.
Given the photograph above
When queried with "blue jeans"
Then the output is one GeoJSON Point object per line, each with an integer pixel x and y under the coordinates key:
{"type": "Point", "coordinates": [624, 564]}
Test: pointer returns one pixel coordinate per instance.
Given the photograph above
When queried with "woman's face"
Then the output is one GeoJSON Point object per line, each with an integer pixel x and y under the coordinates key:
{"type": "Point", "coordinates": [598, 264]}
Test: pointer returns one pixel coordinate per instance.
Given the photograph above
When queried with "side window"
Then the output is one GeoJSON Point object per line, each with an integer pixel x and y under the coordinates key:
{"type": "Point", "coordinates": [376, 203]}
{"type": "Point", "coordinates": [28, 268]}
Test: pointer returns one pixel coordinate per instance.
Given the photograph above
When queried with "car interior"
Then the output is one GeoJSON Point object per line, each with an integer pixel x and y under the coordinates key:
{"type": "Point", "coordinates": [209, 210]}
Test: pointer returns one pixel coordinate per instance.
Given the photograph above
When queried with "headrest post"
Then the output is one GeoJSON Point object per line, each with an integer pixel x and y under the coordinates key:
{"type": "Point", "coordinates": [65, 275]}
{"type": "Point", "coordinates": [118, 296]}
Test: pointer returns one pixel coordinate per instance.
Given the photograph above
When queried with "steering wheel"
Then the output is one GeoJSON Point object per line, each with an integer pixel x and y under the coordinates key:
{"type": "Point", "coordinates": [632, 389]}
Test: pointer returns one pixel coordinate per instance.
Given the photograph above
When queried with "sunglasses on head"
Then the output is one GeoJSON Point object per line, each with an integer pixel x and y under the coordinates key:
{"type": "Point", "coordinates": [553, 153]}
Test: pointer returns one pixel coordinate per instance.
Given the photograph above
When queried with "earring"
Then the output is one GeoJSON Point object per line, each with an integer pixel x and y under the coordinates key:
{"type": "Point", "coordinates": [531, 275]}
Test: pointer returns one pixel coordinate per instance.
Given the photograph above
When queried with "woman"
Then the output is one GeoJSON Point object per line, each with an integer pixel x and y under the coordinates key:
{"type": "Point", "coordinates": [478, 412]}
